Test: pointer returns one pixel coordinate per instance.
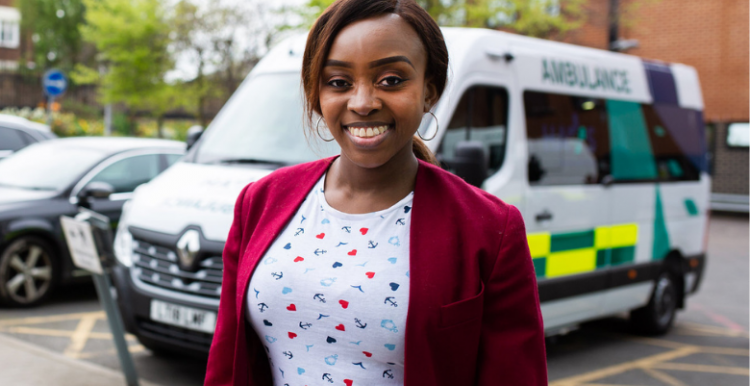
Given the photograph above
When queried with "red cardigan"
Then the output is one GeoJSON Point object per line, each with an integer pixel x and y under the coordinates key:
{"type": "Point", "coordinates": [473, 316]}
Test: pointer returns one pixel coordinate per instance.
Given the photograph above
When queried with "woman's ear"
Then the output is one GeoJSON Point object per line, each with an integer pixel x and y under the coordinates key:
{"type": "Point", "coordinates": [430, 95]}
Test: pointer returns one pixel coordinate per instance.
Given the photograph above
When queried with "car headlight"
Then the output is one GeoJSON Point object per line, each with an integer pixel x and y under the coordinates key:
{"type": "Point", "coordinates": [124, 240]}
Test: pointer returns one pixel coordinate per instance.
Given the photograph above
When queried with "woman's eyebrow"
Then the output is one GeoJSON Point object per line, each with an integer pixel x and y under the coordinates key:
{"type": "Point", "coordinates": [373, 64]}
{"type": "Point", "coordinates": [389, 60]}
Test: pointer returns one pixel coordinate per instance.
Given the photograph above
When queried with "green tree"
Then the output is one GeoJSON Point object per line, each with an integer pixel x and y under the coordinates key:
{"type": "Point", "coordinates": [132, 40]}
{"type": "Point", "coordinates": [538, 18]}
{"type": "Point", "coordinates": [54, 29]}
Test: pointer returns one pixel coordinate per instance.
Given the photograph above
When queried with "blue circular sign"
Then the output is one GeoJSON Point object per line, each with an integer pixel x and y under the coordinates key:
{"type": "Point", "coordinates": [54, 83]}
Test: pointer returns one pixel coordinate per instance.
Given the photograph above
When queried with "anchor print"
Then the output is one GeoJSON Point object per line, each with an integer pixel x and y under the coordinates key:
{"type": "Point", "coordinates": [300, 231]}
{"type": "Point", "coordinates": [288, 354]}
{"type": "Point", "coordinates": [320, 298]}
{"type": "Point", "coordinates": [277, 276]}
{"type": "Point", "coordinates": [327, 377]}
{"type": "Point", "coordinates": [388, 374]}
{"type": "Point", "coordinates": [400, 222]}
{"type": "Point", "coordinates": [372, 245]}
{"type": "Point", "coordinates": [305, 325]}
{"type": "Point", "coordinates": [262, 307]}
{"type": "Point", "coordinates": [347, 229]}
{"type": "Point", "coordinates": [359, 324]}
{"type": "Point", "coordinates": [390, 301]}
{"type": "Point", "coordinates": [319, 252]}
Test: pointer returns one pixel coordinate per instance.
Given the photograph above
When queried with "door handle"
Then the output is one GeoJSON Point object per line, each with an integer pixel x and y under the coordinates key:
{"type": "Point", "coordinates": [544, 216]}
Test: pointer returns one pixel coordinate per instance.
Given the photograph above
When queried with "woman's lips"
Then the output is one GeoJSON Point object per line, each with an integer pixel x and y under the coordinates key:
{"type": "Point", "coordinates": [366, 137]}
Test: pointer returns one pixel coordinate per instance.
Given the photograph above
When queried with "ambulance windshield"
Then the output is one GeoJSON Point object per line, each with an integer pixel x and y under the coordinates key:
{"type": "Point", "coordinates": [263, 123]}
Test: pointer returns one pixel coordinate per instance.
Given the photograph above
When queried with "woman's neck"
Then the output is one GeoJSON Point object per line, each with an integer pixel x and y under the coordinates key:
{"type": "Point", "coordinates": [353, 189]}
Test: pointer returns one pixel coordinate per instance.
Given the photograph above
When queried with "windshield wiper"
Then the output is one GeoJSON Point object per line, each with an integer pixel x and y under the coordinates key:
{"type": "Point", "coordinates": [247, 161]}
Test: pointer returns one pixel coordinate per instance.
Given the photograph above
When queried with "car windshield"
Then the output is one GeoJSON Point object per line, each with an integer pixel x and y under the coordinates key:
{"type": "Point", "coordinates": [263, 123]}
{"type": "Point", "coordinates": [47, 166]}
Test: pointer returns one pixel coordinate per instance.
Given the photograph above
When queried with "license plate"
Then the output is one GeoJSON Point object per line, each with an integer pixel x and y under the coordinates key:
{"type": "Point", "coordinates": [186, 317]}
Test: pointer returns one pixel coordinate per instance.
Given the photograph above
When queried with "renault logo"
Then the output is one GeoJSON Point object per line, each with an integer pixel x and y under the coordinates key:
{"type": "Point", "coordinates": [188, 247]}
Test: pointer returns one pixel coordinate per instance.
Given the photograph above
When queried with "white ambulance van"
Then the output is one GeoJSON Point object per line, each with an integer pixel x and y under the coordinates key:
{"type": "Point", "coordinates": [602, 152]}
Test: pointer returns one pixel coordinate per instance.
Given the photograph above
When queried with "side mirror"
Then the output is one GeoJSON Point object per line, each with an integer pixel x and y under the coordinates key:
{"type": "Point", "coordinates": [193, 134]}
{"type": "Point", "coordinates": [470, 162]}
{"type": "Point", "coordinates": [97, 189]}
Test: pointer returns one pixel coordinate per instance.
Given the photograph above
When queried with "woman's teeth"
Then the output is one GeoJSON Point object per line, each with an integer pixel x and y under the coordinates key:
{"type": "Point", "coordinates": [367, 132]}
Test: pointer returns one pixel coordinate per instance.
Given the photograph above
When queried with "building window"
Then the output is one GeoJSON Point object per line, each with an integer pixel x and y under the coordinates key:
{"type": "Point", "coordinates": [738, 135]}
{"type": "Point", "coordinates": [9, 34]}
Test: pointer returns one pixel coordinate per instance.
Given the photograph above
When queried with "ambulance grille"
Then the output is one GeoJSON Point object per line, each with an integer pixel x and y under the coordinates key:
{"type": "Point", "coordinates": [157, 266]}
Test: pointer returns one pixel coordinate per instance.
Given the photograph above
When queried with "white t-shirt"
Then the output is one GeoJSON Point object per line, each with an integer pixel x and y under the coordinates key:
{"type": "Point", "coordinates": [330, 296]}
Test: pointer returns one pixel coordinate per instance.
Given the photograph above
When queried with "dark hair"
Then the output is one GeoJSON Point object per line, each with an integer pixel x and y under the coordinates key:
{"type": "Point", "coordinates": [344, 12]}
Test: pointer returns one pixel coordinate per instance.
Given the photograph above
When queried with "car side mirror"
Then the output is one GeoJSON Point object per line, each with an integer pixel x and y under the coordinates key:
{"type": "Point", "coordinates": [96, 189]}
{"type": "Point", "coordinates": [470, 162]}
{"type": "Point", "coordinates": [193, 134]}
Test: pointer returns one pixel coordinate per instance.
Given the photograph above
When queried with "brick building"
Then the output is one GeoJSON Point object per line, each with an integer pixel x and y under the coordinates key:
{"type": "Point", "coordinates": [10, 36]}
{"type": "Point", "coordinates": [711, 36]}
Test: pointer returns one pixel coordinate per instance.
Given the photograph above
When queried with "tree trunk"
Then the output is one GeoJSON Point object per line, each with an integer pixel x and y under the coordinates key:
{"type": "Point", "coordinates": [160, 126]}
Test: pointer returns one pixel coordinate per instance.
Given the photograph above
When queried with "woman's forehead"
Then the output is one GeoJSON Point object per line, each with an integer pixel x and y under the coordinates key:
{"type": "Point", "coordinates": [376, 38]}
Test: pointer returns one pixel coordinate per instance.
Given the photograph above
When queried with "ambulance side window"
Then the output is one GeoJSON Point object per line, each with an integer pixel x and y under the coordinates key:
{"type": "Point", "coordinates": [481, 115]}
{"type": "Point", "coordinates": [568, 139]}
{"type": "Point", "coordinates": [678, 141]}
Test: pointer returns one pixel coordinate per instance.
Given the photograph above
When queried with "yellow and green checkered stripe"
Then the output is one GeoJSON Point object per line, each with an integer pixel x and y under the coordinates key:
{"type": "Point", "coordinates": [562, 254]}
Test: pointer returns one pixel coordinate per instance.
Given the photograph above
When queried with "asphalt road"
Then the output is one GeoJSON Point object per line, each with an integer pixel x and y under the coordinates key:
{"type": "Point", "coordinates": [708, 346]}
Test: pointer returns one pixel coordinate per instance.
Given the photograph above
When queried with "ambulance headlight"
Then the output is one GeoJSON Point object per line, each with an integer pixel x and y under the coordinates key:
{"type": "Point", "coordinates": [123, 239]}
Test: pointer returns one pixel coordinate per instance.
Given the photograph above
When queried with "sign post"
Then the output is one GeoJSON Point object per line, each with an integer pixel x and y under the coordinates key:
{"type": "Point", "coordinates": [54, 84]}
{"type": "Point", "coordinates": [89, 240]}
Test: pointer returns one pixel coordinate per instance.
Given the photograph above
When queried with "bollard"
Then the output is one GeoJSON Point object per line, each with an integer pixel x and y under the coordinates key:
{"type": "Point", "coordinates": [89, 239]}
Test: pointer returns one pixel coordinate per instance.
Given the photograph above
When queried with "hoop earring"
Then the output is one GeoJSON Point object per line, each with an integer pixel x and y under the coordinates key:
{"type": "Point", "coordinates": [317, 131]}
{"type": "Point", "coordinates": [437, 128]}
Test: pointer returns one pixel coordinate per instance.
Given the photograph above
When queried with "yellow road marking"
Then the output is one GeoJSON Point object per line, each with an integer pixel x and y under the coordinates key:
{"type": "Point", "coordinates": [80, 336]}
{"type": "Point", "coordinates": [711, 330]}
{"type": "Point", "coordinates": [703, 368]}
{"type": "Point", "coordinates": [51, 318]}
{"type": "Point", "coordinates": [623, 367]}
{"type": "Point", "coordinates": [666, 378]}
{"type": "Point", "coordinates": [58, 333]}
{"type": "Point", "coordinates": [136, 348]}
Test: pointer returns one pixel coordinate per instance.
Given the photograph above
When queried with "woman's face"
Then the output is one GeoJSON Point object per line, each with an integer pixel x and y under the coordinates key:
{"type": "Point", "coordinates": [373, 92]}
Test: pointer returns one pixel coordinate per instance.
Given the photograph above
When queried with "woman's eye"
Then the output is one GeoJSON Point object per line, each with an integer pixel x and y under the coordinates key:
{"type": "Point", "coordinates": [338, 83]}
{"type": "Point", "coordinates": [391, 81]}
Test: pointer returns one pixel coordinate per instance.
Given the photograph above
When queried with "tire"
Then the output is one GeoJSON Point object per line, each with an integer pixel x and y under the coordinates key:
{"type": "Point", "coordinates": [29, 272]}
{"type": "Point", "coordinates": [657, 317]}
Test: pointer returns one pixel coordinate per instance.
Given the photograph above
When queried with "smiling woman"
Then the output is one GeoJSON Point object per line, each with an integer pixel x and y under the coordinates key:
{"type": "Point", "coordinates": [375, 267]}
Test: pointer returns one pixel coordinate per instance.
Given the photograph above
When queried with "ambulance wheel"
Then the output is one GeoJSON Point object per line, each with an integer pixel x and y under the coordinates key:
{"type": "Point", "coordinates": [29, 271]}
{"type": "Point", "coordinates": [657, 317]}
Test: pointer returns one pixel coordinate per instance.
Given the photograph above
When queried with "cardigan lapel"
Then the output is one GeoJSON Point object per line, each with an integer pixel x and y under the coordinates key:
{"type": "Point", "coordinates": [288, 195]}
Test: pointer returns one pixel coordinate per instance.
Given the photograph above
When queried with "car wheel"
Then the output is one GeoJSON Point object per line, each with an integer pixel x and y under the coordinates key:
{"type": "Point", "coordinates": [28, 272]}
{"type": "Point", "coordinates": [657, 317]}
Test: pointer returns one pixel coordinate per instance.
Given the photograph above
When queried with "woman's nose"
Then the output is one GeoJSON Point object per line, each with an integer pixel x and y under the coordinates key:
{"type": "Point", "coordinates": [364, 101]}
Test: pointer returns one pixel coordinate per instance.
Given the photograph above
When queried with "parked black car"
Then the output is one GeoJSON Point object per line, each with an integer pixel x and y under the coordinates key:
{"type": "Point", "coordinates": [44, 181]}
{"type": "Point", "coordinates": [17, 133]}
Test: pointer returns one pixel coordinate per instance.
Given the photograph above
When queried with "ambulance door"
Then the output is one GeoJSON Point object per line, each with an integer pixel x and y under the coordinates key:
{"type": "Point", "coordinates": [567, 202]}
{"type": "Point", "coordinates": [481, 115]}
